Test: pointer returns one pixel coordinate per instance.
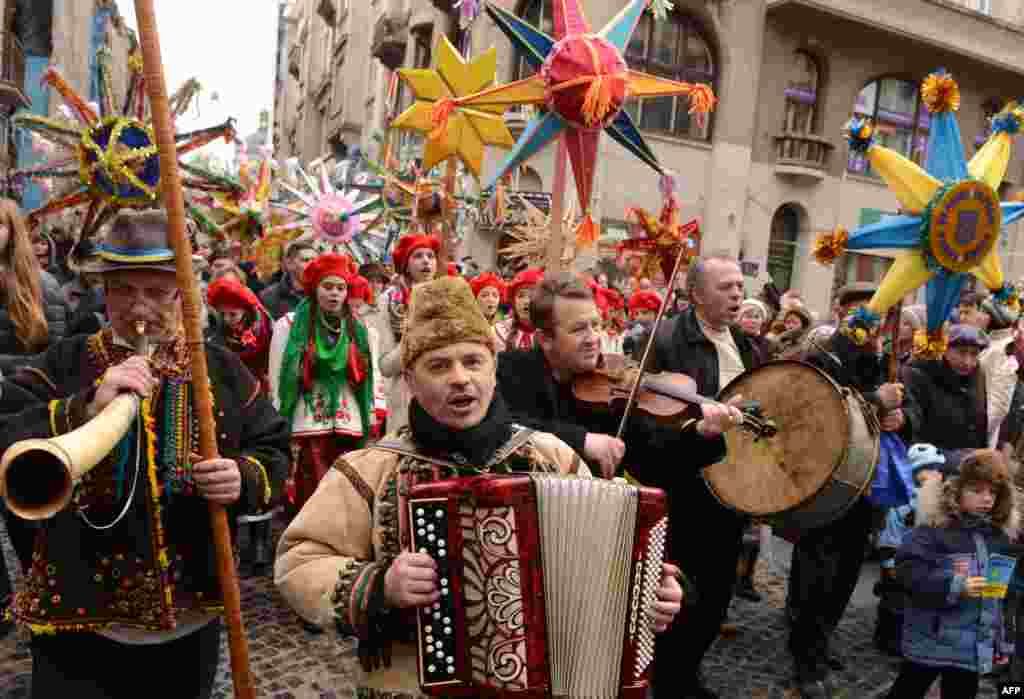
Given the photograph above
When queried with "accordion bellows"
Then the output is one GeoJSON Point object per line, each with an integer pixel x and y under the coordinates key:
{"type": "Point", "coordinates": [546, 585]}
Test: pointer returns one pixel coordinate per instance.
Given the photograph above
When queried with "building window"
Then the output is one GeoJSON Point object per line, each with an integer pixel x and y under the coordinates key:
{"type": "Point", "coordinates": [989, 108]}
{"type": "Point", "coordinates": [900, 117]}
{"type": "Point", "coordinates": [802, 95]}
{"type": "Point", "coordinates": [677, 49]}
{"type": "Point", "coordinates": [538, 13]}
{"type": "Point", "coordinates": [782, 245]}
{"type": "Point", "coordinates": [422, 56]}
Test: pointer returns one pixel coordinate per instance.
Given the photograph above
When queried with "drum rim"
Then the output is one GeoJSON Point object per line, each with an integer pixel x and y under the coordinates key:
{"type": "Point", "coordinates": [845, 452]}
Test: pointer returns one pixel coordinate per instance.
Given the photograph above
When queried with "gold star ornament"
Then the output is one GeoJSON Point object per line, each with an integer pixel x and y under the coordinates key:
{"type": "Point", "coordinates": [453, 129]}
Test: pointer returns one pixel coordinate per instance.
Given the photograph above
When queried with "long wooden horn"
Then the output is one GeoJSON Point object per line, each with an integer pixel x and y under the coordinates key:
{"type": "Point", "coordinates": [170, 185]}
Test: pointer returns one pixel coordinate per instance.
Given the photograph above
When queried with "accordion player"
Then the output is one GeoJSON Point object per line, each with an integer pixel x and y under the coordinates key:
{"type": "Point", "coordinates": [546, 585]}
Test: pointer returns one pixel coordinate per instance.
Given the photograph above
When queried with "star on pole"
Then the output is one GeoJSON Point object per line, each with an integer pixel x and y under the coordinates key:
{"type": "Point", "coordinates": [584, 82]}
{"type": "Point", "coordinates": [952, 217]}
{"type": "Point", "coordinates": [452, 128]}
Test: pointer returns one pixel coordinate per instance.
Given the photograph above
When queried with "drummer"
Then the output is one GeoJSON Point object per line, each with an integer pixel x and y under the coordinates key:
{"type": "Point", "coordinates": [537, 386]}
{"type": "Point", "coordinates": [827, 561]}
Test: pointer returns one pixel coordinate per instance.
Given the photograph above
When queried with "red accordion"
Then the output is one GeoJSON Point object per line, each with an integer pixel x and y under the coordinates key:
{"type": "Point", "coordinates": [546, 585]}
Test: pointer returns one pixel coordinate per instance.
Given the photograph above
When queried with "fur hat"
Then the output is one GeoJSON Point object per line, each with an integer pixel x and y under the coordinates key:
{"type": "Point", "coordinates": [443, 312]}
{"type": "Point", "coordinates": [757, 306]}
{"type": "Point", "coordinates": [137, 240]}
{"type": "Point", "coordinates": [801, 312]}
{"type": "Point", "coordinates": [939, 502]}
{"type": "Point", "coordinates": [856, 292]}
{"type": "Point", "coordinates": [408, 244]}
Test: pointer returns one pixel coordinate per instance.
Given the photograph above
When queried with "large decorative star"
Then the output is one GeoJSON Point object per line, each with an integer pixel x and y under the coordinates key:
{"type": "Point", "coordinates": [951, 216]}
{"type": "Point", "coordinates": [104, 156]}
{"type": "Point", "coordinates": [664, 238]}
{"type": "Point", "coordinates": [454, 129]}
{"type": "Point", "coordinates": [583, 81]}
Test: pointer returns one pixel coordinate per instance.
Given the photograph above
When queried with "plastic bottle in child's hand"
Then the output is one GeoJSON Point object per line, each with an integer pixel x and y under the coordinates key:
{"type": "Point", "coordinates": [973, 586]}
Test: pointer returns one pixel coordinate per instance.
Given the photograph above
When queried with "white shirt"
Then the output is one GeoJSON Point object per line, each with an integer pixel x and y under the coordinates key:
{"type": "Point", "coordinates": [730, 363]}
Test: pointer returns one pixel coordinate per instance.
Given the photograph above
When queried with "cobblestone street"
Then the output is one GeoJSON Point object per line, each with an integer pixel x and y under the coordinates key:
{"type": "Point", "coordinates": [290, 663]}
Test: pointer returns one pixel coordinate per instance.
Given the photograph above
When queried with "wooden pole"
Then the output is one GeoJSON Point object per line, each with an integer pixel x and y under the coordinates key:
{"type": "Point", "coordinates": [894, 343]}
{"type": "Point", "coordinates": [556, 240]}
{"type": "Point", "coordinates": [170, 184]}
{"type": "Point", "coordinates": [448, 205]}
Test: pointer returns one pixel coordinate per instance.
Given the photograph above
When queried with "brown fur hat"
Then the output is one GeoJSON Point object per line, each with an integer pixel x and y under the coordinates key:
{"type": "Point", "coordinates": [443, 312]}
{"type": "Point", "coordinates": [940, 501]}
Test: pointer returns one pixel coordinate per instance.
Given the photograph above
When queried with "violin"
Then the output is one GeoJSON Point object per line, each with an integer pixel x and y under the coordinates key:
{"type": "Point", "coordinates": [669, 398]}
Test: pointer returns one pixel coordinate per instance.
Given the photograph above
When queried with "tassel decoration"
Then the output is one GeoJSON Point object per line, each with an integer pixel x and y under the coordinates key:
{"type": "Point", "coordinates": [586, 232]}
{"type": "Point", "coordinates": [940, 93]}
{"type": "Point", "coordinates": [439, 116]}
{"type": "Point", "coordinates": [928, 346]}
{"type": "Point", "coordinates": [598, 101]}
{"type": "Point", "coordinates": [702, 101]}
{"type": "Point", "coordinates": [661, 8]}
{"type": "Point", "coordinates": [829, 246]}
{"type": "Point", "coordinates": [860, 134]}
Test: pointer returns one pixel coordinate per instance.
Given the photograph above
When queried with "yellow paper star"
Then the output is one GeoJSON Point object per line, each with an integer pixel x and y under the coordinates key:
{"type": "Point", "coordinates": [453, 129]}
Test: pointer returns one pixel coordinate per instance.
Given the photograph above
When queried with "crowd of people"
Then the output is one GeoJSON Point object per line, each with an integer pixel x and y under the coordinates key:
{"type": "Point", "coordinates": [338, 386]}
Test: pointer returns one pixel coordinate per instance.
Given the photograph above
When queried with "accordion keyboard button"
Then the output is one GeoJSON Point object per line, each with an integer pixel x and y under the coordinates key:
{"type": "Point", "coordinates": [440, 542]}
{"type": "Point", "coordinates": [430, 527]}
{"type": "Point", "coordinates": [419, 511]}
{"type": "Point", "coordinates": [442, 553]}
{"type": "Point", "coordinates": [428, 628]}
{"type": "Point", "coordinates": [444, 582]}
{"type": "Point", "coordinates": [423, 550]}
{"type": "Point", "coordinates": [451, 670]}
{"type": "Point", "coordinates": [431, 668]}
{"type": "Point", "coordinates": [439, 514]}
{"type": "Point", "coordinates": [447, 630]}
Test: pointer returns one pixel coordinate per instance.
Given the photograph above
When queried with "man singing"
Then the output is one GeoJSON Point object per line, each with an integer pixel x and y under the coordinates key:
{"type": "Point", "coordinates": [345, 559]}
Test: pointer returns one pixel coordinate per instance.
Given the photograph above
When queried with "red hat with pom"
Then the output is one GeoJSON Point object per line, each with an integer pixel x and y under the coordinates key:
{"type": "Point", "coordinates": [228, 293]}
{"type": "Point", "coordinates": [359, 288]}
{"type": "Point", "coordinates": [644, 301]}
{"type": "Point", "coordinates": [525, 279]}
{"type": "Point", "coordinates": [486, 280]}
{"type": "Point", "coordinates": [326, 266]}
{"type": "Point", "coordinates": [408, 244]}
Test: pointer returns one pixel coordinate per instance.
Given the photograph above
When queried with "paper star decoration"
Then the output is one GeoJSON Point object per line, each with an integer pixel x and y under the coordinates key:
{"type": "Point", "coordinates": [665, 237]}
{"type": "Point", "coordinates": [952, 217]}
{"type": "Point", "coordinates": [529, 241]}
{"type": "Point", "coordinates": [583, 81]}
{"type": "Point", "coordinates": [454, 129]}
{"type": "Point", "coordinates": [105, 152]}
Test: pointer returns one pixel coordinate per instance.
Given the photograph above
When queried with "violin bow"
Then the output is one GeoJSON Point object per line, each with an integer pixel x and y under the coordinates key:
{"type": "Point", "coordinates": [650, 340]}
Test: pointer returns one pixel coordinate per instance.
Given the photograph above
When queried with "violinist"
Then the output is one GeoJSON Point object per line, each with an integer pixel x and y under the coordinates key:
{"type": "Point", "coordinates": [537, 385]}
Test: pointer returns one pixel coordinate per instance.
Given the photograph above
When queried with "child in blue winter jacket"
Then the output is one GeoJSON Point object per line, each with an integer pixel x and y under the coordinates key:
{"type": "Point", "coordinates": [949, 628]}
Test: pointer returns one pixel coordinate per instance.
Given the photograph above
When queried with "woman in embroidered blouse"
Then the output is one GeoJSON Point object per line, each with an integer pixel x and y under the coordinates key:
{"type": "Point", "coordinates": [323, 375]}
{"type": "Point", "coordinates": [517, 332]}
{"type": "Point", "coordinates": [415, 258]}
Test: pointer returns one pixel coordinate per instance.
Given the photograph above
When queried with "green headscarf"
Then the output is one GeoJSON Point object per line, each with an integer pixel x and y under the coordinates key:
{"type": "Point", "coordinates": [330, 365]}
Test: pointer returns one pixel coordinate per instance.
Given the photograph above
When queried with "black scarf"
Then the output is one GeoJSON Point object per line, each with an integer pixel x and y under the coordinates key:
{"type": "Point", "coordinates": [976, 520]}
{"type": "Point", "coordinates": [474, 446]}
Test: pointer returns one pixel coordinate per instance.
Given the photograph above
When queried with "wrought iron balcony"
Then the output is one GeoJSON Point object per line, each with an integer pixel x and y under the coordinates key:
{"type": "Point", "coordinates": [390, 38]}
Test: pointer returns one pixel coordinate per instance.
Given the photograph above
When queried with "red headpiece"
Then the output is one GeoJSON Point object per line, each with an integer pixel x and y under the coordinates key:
{"type": "Point", "coordinates": [228, 293]}
{"type": "Point", "coordinates": [326, 266]}
{"type": "Point", "coordinates": [600, 297]}
{"type": "Point", "coordinates": [359, 288]}
{"type": "Point", "coordinates": [526, 278]}
{"type": "Point", "coordinates": [408, 244]}
{"type": "Point", "coordinates": [489, 279]}
{"type": "Point", "coordinates": [614, 298]}
{"type": "Point", "coordinates": [644, 301]}
{"type": "Point", "coordinates": [453, 269]}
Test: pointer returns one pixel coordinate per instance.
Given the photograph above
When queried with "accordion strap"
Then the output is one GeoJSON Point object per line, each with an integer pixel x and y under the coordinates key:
{"type": "Point", "coordinates": [403, 448]}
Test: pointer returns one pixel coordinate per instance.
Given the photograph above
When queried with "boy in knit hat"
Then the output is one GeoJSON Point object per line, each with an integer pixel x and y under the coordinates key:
{"type": "Point", "coordinates": [927, 463]}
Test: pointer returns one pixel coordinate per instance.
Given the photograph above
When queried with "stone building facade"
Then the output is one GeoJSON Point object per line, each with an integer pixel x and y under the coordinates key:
{"type": "Point", "coordinates": [66, 33]}
{"type": "Point", "coordinates": [768, 172]}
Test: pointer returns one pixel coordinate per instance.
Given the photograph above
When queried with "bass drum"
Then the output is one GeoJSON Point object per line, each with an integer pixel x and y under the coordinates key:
{"type": "Point", "coordinates": [819, 462]}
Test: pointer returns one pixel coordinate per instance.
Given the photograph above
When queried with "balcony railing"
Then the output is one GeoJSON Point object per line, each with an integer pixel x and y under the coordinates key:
{"type": "Point", "coordinates": [390, 37]}
{"type": "Point", "coordinates": [295, 61]}
{"type": "Point", "coordinates": [12, 74]}
{"type": "Point", "coordinates": [802, 154]}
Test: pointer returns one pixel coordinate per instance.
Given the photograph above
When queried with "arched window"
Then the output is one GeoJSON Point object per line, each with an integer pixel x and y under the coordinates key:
{"type": "Point", "coordinates": [901, 120]}
{"type": "Point", "coordinates": [782, 245]}
{"type": "Point", "coordinates": [802, 94]}
{"type": "Point", "coordinates": [537, 13]}
{"type": "Point", "coordinates": [989, 109]}
{"type": "Point", "coordinates": [675, 48]}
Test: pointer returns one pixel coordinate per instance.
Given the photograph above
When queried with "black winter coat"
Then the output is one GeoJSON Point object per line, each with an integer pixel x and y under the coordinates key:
{"type": "Point", "coordinates": [12, 352]}
{"type": "Point", "coordinates": [281, 298]}
{"type": "Point", "coordinates": [944, 408]}
{"type": "Point", "coordinates": [658, 456]}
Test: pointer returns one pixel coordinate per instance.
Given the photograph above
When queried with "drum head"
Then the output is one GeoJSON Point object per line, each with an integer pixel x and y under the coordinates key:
{"type": "Point", "coordinates": [777, 474]}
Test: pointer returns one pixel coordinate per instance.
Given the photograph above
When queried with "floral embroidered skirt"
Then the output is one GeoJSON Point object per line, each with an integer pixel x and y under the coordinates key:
{"type": "Point", "coordinates": [313, 457]}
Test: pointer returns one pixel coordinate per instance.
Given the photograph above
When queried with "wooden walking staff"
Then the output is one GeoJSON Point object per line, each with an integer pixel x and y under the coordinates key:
{"type": "Point", "coordinates": [895, 320]}
{"type": "Point", "coordinates": [171, 187]}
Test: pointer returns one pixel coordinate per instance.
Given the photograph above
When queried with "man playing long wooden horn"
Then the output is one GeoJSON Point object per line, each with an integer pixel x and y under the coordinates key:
{"type": "Point", "coordinates": [126, 573]}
